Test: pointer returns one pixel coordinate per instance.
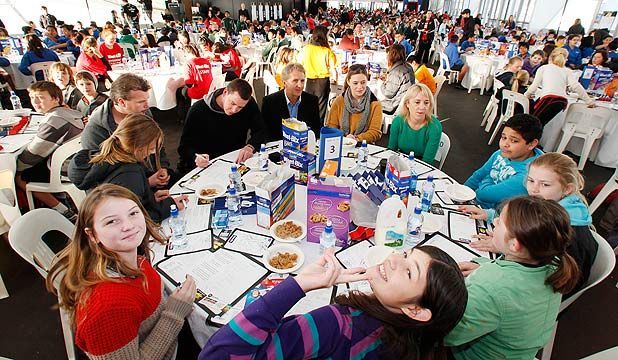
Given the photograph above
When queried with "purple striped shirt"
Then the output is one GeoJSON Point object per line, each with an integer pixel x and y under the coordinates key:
{"type": "Point", "coordinates": [261, 332]}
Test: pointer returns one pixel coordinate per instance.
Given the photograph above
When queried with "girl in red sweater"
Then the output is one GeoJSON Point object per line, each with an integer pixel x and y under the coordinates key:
{"type": "Point", "coordinates": [114, 296]}
{"type": "Point", "coordinates": [91, 60]}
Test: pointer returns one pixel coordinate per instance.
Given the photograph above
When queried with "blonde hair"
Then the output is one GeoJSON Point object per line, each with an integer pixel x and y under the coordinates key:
{"type": "Point", "coordinates": [413, 92]}
{"type": "Point", "coordinates": [513, 60]}
{"type": "Point", "coordinates": [85, 263]}
{"type": "Point", "coordinates": [62, 67]}
{"type": "Point", "coordinates": [558, 56]}
{"type": "Point", "coordinates": [134, 134]}
{"type": "Point", "coordinates": [90, 46]}
{"type": "Point", "coordinates": [286, 55]}
{"type": "Point", "coordinates": [565, 168]}
{"type": "Point", "coordinates": [521, 78]}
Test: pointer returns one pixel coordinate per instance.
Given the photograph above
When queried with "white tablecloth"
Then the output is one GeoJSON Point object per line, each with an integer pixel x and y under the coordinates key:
{"type": "Point", "coordinates": [23, 81]}
{"type": "Point", "coordinates": [603, 153]}
{"type": "Point", "coordinates": [164, 84]}
{"type": "Point", "coordinates": [197, 319]}
{"type": "Point", "coordinates": [497, 62]}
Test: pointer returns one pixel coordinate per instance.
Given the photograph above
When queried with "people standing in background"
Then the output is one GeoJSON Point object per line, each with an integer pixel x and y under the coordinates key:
{"type": "Point", "coordinates": [427, 28]}
{"type": "Point", "coordinates": [147, 8]}
{"type": "Point", "coordinates": [46, 18]}
{"type": "Point", "coordinates": [577, 28]}
{"type": "Point", "coordinates": [130, 13]}
{"type": "Point", "coordinates": [243, 11]}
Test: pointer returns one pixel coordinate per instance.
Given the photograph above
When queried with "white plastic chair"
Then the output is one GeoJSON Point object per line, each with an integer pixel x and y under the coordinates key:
{"type": "Point", "coordinates": [25, 238]}
{"type": "Point", "coordinates": [610, 186]}
{"type": "Point", "coordinates": [512, 98]}
{"type": "Point", "coordinates": [445, 67]}
{"type": "Point", "coordinates": [125, 48]}
{"type": "Point", "coordinates": [491, 110]}
{"type": "Point", "coordinates": [41, 66]}
{"type": "Point", "coordinates": [482, 69]}
{"type": "Point", "coordinates": [55, 184]}
{"type": "Point", "coordinates": [387, 119]}
{"type": "Point", "coordinates": [431, 71]}
{"type": "Point", "coordinates": [270, 82]}
{"type": "Point", "coordinates": [443, 149]}
{"type": "Point", "coordinates": [8, 213]}
{"type": "Point", "coordinates": [440, 79]}
{"type": "Point", "coordinates": [586, 123]}
{"type": "Point", "coordinates": [603, 265]}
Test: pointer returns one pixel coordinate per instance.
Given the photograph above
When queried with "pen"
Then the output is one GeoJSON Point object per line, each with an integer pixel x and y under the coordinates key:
{"type": "Point", "coordinates": [185, 203]}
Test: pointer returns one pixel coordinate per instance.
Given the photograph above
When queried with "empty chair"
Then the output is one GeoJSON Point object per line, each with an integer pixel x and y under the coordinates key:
{"type": "Point", "coordinates": [440, 79]}
{"type": "Point", "coordinates": [610, 186]}
{"type": "Point", "coordinates": [126, 47]}
{"type": "Point", "coordinates": [445, 67]}
{"type": "Point", "coordinates": [41, 66]}
{"type": "Point", "coordinates": [512, 99]}
{"type": "Point", "coordinates": [603, 265]}
{"type": "Point", "coordinates": [25, 238]}
{"type": "Point", "coordinates": [482, 70]}
{"type": "Point", "coordinates": [443, 149]}
{"type": "Point", "coordinates": [491, 110]}
{"type": "Point", "coordinates": [270, 82]}
{"type": "Point", "coordinates": [585, 123]}
{"type": "Point", "coordinates": [56, 185]}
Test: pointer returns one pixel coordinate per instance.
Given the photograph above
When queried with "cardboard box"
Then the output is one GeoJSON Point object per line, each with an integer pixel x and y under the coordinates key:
{"type": "Point", "coordinates": [328, 202]}
{"type": "Point", "coordinates": [302, 163]}
{"type": "Point", "coordinates": [275, 205]}
{"type": "Point", "coordinates": [397, 177]}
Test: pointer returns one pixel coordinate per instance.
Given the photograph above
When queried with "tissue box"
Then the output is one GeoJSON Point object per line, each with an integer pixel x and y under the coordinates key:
{"type": "Point", "coordinates": [397, 177]}
{"type": "Point", "coordinates": [328, 202]}
{"type": "Point", "coordinates": [275, 205]}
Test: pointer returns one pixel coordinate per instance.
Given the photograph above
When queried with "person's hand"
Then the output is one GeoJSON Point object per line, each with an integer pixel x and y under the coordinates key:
{"type": "Point", "coordinates": [244, 154]}
{"type": "Point", "coordinates": [85, 120]}
{"type": "Point", "coordinates": [352, 137]}
{"type": "Point", "coordinates": [161, 195]}
{"type": "Point", "coordinates": [202, 160]}
{"type": "Point", "coordinates": [326, 272]}
{"type": "Point", "coordinates": [473, 211]}
{"type": "Point", "coordinates": [467, 267]}
{"type": "Point", "coordinates": [179, 200]}
{"type": "Point", "coordinates": [484, 242]}
{"type": "Point", "coordinates": [186, 291]}
{"type": "Point", "coordinates": [160, 178]}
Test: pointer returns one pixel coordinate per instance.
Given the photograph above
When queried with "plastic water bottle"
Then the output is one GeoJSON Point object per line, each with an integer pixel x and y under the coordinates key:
{"type": "Point", "coordinates": [327, 238]}
{"type": "Point", "coordinates": [415, 221]}
{"type": "Point", "coordinates": [263, 158]}
{"type": "Point", "coordinates": [235, 180]}
{"type": "Point", "coordinates": [15, 101]}
{"type": "Point", "coordinates": [179, 229]}
{"type": "Point", "coordinates": [428, 190]}
{"type": "Point", "coordinates": [363, 154]}
{"type": "Point", "coordinates": [234, 215]}
{"type": "Point", "coordinates": [413, 175]}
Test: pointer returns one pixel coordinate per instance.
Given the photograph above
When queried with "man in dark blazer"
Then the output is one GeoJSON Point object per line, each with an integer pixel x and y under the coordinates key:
{"type": "Point", "coordinates": [292, 101]}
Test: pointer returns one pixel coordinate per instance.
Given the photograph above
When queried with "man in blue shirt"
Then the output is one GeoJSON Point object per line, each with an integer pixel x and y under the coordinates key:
{"type": "Point", "coordinates": [53, 41]}
{"type": "Point", "coordinates": [455, 61]}
{"type": "Point", "coordinates": [400, 39]}
{"type": "Point", "coordinates": [468, 44]}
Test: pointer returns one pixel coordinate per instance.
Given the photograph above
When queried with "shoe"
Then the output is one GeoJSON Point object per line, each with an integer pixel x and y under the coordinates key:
{"type": "Point", "coordinates": [69, 214]}
{"type": "Point", "coordinates": [459, 86]}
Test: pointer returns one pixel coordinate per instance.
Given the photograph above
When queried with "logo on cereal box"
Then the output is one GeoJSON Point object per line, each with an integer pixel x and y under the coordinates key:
{"type": "Point", "coordinates": [321, 205]}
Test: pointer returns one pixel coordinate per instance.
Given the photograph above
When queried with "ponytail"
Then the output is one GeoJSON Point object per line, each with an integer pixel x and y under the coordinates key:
{"type": "Point", "coordinates": [566, 276]}
{"type": "Point", "coordinates": [112, 152]}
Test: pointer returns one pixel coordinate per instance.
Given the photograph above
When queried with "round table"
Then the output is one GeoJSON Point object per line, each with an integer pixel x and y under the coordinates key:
{"type": "Point", "coordinates": [23, 81]}
{"type": "Point", "coordinates": [497, 62]}
{"type": "Point", "coordinates": [217, 173]}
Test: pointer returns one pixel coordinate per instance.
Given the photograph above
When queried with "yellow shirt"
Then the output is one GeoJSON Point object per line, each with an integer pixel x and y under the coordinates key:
{"type": "Point", "coordinates": [423, 76]}
{"type": "Point", "coordinates": [374, 131]}
{"type": "Point", "coordinates": [318, 61]}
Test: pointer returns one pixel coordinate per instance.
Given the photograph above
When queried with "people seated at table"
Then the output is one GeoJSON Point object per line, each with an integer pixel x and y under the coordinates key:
{"type": "Point", "coordinates": [514, 319]}
{"type": "Point", "coordinates": [503, 175]}
{"type": "Point", "coordinates": [357, 112]}
{"type": "Point", "coordinates": [52, 40]}
{"type": "Point", "coordinates": [164, 39]}
{"type": "Point", "coordinates": [422, 74]}
{"type": "Point", "coordinates": [523, 48]}
{"type": "Point", "coordinates": [452, 53]}
{"type": "Point", "coordinates": [603, 42]}
{"type": "Point", "coordinates": [574, 59]}
{"type": "Point", "coordinates": [553, 80]}
{"type": "Point", "coordinates": [59, 126]}
{"type": "Point", "coordinates": [113, 295]}
{"type": "Point", "coordinates": [110, 49]}
{"type": "Point", "coordinates": [415, 128]}
{"type": "Point", "coordinates": [128, 38]}
{"type": "Point", "coordinates": [599, 59]}
{"type": "Point", "coordinates": [36, 53]}
{"type": "Point", "coordinates": [61, 74]}
{"type": "Point", "coordinates": [512, 67]}
{"type": "Point", "coordinates": [319, 62]}
{"type": "Point", "coordinates": [92, 60]}
{"type": "Point", "coordinates": [560, 41]}
{"type": "Point", "coordinates": [232, 65]}
{"type": "Point", "coordinates": [385, 38]}
{"type": "Point", "coordinates": [467, 44]}
{"type": "Point", "coordinates": [291, 102]}
{"type": "Point", "coordinates": [399, 78]}
{"type": "Point", "coordinates": [287, 55]}
{"type": "Point", "coordinates": [198, 74]}
{"type": "Point", "coordinates": [554, 176]}
{"type": "Point", "coordinates": [86, 83]}
{"type": "Point", "coordinates": [533, 63]}
{"type": "Point", "coordinates": [349, 41]}
{"type": "Point", "coordinates": [404, 317]}
{"type": "Point", "coordinates": [297, 40]}
{"type": "Point", "coordinates": [400, 38]}
{"type": "Point", "coordinates": [279, 39]}
{"type": "Point", "coordinates": [148, 41]}
{"type": "Point", "coordinates": [129, 94]}
{"type": "Point", "coordinates": [229, 113]}
{"type": "Point", "coordinates": [124, 159]}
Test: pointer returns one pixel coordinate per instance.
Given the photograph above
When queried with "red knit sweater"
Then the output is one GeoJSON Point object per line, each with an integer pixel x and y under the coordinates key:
{"type": "Point", "coordinates": [128, 320]}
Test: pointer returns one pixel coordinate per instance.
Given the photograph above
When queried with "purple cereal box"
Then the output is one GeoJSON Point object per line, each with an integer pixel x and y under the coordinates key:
{"type": "Point", "coordinates": [328, 202]}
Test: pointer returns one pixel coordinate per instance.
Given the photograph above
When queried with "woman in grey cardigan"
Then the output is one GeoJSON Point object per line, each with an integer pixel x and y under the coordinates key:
{"type": "Point", "coordinates": [399, 78]}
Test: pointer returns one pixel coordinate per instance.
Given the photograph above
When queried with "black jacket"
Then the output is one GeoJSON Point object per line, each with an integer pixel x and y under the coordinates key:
{"type": "Point", "coordinates": [583, 249]}
{"type": "Point", "coordinates": [133, 177]}
{"type": "Point", "coordinates": [208, 130]}
{"type": "Point", "coordinates": [275, 108]}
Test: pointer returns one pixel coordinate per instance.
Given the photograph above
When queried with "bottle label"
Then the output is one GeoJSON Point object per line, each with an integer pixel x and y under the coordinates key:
{"type": "Point", "coordinates": [393, 239]}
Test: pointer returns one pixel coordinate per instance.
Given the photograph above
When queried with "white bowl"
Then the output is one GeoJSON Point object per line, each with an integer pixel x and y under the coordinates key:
{"type": "Point", "coordinates": [254, 178]}
{"type": "Point", "coordinates": [377, 254]}
{"type": "Point", "coordinates": [460, 193]}
{"type": "Point", "coordinates": [349, 142]}
{"type": "Point", "coordinates": [220, 191]}
{"type": "Point", "coordinates": [288, 240]}
{"type": "Point", "coordinates": [282, 248]}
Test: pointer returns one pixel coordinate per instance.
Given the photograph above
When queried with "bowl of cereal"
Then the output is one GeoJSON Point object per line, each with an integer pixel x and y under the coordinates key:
{"type": "Point", "coordinates": [288, 231]}
{"type": "Point", "coordinates": [210, 191]}
{"type": "Point", "coordinates": [283, 258]}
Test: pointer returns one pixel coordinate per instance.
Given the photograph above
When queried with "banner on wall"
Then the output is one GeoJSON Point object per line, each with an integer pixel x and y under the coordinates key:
{"type": "Point", "coordinates": [606, 20]}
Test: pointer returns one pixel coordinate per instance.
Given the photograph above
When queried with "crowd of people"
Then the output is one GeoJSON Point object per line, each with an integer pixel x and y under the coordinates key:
{"type": "Point", "coordinates": [424, 304]}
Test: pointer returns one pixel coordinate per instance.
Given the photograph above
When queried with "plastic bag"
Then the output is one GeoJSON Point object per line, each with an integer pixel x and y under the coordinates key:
{"type": "Point", "coordinates": [363, 211]}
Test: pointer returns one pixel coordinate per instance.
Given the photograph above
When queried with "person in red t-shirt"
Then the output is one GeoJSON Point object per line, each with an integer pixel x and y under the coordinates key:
{"type": "Point", "coordinates": [110, 49]}
{"type": "Point", "coordinates": [198, 73]}
{"type": "Point", "coordinates": [231, 60]}
{"type": "Point", "coordinates": [349, 42]}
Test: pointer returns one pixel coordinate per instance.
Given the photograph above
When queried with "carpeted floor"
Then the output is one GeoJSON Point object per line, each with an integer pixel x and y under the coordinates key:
{"type": "Point", "coordinates": [31, 327]}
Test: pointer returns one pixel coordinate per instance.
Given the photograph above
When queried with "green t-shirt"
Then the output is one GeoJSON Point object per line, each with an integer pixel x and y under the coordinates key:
{"type": "Point", "coordinates": [424, 141]}
{"type": "Point", "coordinates": [510, 312]}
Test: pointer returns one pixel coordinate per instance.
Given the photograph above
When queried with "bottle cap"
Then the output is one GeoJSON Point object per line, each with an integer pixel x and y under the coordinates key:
{"type": "Point", "coordinates": [232, 191]}
{"type": "Point", "coordinates": [411, 155]}
{"type": "Point", "coordinates": [430, 178]}
{"type": "Point", "coordinates": [234, 168]}
{"type": "Point", "coordinates": [173, 210]}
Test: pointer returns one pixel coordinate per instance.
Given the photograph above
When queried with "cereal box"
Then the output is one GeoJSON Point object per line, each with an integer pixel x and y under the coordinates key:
{"type": "Point", "coordinates": [328, 201]}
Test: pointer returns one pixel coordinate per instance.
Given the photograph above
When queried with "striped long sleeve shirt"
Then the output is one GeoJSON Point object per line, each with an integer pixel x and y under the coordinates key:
{"type": "Point", "coordinates": [260, 331]}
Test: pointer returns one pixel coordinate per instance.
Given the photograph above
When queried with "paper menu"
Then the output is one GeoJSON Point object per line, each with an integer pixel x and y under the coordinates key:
{"type": "Point", "coordinates": [216, 174]}
{"type": "Point", "coordinates": [456, 251]}
{"type": "Point", "coordinates": [13, 143]}
{"type": "Point", "coordinates": [248, 242]}
{"type": "Point", "coordinates": [384, 154]}
{"type": "Point", "coordinates": [461, 229]}
{"type": "Point", "coordinates": [421, 168]}
{"type": "Point", "coordinates": [354, 255]}
{"type": "Point", "coordinates": [197, 215]}
{"type": "Point", "coordinates": [197, 241]}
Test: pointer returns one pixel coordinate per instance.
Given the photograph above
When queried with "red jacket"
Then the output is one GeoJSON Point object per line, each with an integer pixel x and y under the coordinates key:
{"type": "Point", "coordinates": [199, 74]}
{"type": "Point", "coordinates": [94, 64]}
{"type": "Point", "coordinates": [113, 55]}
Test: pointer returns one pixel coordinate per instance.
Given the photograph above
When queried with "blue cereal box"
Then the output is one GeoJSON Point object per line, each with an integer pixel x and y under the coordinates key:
{"type": "Point", "coordinates": [397, 177]}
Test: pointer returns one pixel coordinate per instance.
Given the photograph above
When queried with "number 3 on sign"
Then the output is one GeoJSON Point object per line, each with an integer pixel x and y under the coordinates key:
{"type": "Point", "coordinates": [333, 148]}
